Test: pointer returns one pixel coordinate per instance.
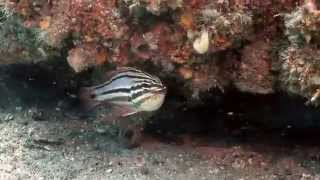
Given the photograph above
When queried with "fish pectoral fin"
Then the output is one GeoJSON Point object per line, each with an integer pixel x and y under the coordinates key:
{"type": "Point", "coordinates": [128, 111]}
{"type": "Point", "coordinates": [123, 111]}
{"type": "Point", "coordinates": [117, 112]}
{"type": "Point", "coordinates": [128, 114]}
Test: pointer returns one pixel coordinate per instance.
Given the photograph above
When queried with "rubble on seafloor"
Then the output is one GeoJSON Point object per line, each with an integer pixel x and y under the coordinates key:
{"type": "Point", "coordinates": [201, 44]}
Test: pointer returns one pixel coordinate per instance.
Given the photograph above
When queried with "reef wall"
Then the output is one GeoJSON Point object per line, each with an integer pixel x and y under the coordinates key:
{"type": "Point", "coordinates": [258, 47]}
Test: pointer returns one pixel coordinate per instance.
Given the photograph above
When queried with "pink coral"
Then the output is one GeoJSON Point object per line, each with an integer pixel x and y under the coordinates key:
{"type": "Point", "coordinates": [81, 58]}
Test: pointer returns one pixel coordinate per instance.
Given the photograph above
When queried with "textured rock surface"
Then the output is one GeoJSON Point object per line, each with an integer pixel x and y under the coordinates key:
{"type": "Point", "coordinates": [201, 44]}
{"type": "Point", "coordinates": [298, 62]}
{"type": "Point", "coordinates": [254, 73]}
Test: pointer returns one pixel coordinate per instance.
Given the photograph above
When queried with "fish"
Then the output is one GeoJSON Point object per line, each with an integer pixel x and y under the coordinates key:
{"type": "Point", "coordinates": [129, 88]}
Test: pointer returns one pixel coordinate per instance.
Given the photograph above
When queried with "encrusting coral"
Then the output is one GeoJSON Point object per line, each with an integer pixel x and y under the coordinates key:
{"type": "Point", "coordinates": [18, 43]}
{"type": "Point", "coordinates": [203, 44]}
{"type": "Point", "coordinates": [298, 64]}
{"type": "Point", "coordinates": [300, 72]}
{"type": "Point", "coordinates": [301, 25]}
{"type": "Point", "coordinates": [254, 73]}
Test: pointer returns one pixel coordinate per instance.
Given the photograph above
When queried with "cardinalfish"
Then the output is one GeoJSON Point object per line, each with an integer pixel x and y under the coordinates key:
{"type": "Point", "coordinates": [131, 89]}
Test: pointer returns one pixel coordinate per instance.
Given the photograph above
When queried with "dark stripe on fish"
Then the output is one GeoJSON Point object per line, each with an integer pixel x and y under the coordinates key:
{"type": "Point", "coordinates": [128, 69]}
{"type": "Point", "coordinates": [123, 90]}
{"type": "Point", "coordinates": [141, 101]}
{"type": "Point", "coordinates": [145, 85]}
{"type": "Point", "coordinates": [139, 93]}
{"type": "Point", "coordinates": [124, 76]}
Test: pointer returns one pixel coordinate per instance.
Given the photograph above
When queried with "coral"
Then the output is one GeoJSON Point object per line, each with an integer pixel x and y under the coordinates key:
{"type": "Point", "coordinates": [198, 28]}
{"type": "Point", "coordinates": [202, 44]}
{"type": "Point", "coordinates": [298, 64]}
{"type": "Point", "coordinates": [254, 74]}
{"type": "Point", "coordinates": [201, 78]}
{"type": "Point", "coordinates": [80, 58]}
{"type": "Point", "coordinates": [301, 25]}
{"type": "Point", "coordinates": [204, 79]}
{"type": "Point", "coordinates": [19, 43]}
{"type": "Point", "coordinates": [55, 29]}
{"type": "Point", "coordinates": [224, 28]}
{"type": "Point", "coordinates": [95, 22]}
{"type": "Point", "coordinates": [154, 6]}
{"type": "Point", "coordinates": [299, 72]}
{"type": "Point", "coordinates": [86, 56]}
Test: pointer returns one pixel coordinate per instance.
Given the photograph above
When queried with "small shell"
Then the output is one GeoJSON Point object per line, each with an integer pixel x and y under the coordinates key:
{"type": "Point", "coordinates": [201, 44]}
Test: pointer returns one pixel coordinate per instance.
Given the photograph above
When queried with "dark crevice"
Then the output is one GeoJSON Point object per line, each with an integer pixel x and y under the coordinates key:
{"type": "Point", "coordinates": [242, 116]}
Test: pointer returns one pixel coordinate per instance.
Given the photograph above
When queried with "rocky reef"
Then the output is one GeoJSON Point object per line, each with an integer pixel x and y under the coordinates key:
{"type": "Point", "coordinates": [259, 47]}
{"type": "Point", "coordinates": [19, 43]}
{"type": "Point", "coordinates": [298, 63]}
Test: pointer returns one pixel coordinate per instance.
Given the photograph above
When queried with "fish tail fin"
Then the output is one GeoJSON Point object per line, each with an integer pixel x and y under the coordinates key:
{"type": "Point", "coordinates": [87, 99]}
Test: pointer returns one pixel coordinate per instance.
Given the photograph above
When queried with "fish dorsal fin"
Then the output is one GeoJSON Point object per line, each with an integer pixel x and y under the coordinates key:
{"type": "Point", "coordinates": [126, 68]}
{"type": "Point", "coordinates": [111, 73]}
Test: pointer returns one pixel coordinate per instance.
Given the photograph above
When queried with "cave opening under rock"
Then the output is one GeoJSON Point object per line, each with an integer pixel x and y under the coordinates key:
{"type": "Point", "coordinates": [232, 116]}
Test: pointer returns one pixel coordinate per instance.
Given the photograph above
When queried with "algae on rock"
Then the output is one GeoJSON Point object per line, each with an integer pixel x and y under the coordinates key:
{"type": "Point", "coordinates": [299, 62]}
{"type": "Point", "coordinates": [20, 44]}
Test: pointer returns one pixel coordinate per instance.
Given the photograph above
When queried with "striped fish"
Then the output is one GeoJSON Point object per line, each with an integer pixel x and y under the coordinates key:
{"type": "Point", "coordinates": [133, 90]}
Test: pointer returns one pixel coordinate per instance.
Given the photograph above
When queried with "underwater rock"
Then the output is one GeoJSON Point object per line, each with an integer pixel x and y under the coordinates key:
{"type": "Point", "coordinates": [20, 44]}
{"type": "Point", "coordinates": [155, 7]}
{"type": "Point", "coordinates": [83, 57]}
{"type": "Point", "coordinates": [298, 64]}
{"type": "Point", "coordinates": [299, 72]}
{"type": "Point", "coordinates": [254, 74]}
{"type": "Point", "coordinates": [302, 25]}
{"type": "Point", "coordinates": [225, 29]}
{"type": "Point", "coordinates": [200, 44]}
